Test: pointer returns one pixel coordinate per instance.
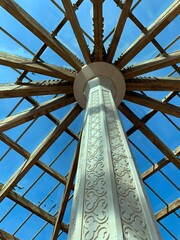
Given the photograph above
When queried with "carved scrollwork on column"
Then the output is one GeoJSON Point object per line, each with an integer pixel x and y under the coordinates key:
{"type": "Point", "coordinates": [132, 215]}
{"type": "Point", "coordinates": [108, 195]}
{"type": "Point", "coordinates": [95, 203]}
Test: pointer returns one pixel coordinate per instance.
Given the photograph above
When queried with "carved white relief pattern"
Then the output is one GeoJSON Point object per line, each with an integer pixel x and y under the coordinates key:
{"type": "Point", "coordinates": [95, 225]}
{"type": "Point", "coordinates": [132, 215]}
{"type": "Point", "coordinates": [74, 214]}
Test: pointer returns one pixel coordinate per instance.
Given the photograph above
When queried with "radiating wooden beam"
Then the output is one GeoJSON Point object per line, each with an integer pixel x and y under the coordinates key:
{"type": "Point", "coordinates": [32, 113]}
{"type": "Point", "coordinates": [149, 134]}
{"type": "Point", "coordinates": [153, 84]}
{"type": "Point", "coordinates": [151, 65]}
{"type": "Point", "coordinates": [170, 208]}
{"type": "Point", "coordinates": [152, 103]}
{"type": "Point", "coordinates": [10, 90]}
{"type": "Point", "coordinates": [151, 113]}
{"type": "Point", "coordinates": [155, 28]}
{"type": "Point", "coordinates": [119, 29]}
{"type": "Point", "coordinates": [7, 236]}
{"type": "Point", "coordinates": [33, 208]}
{"type": "Point", "coordinates": [27, 64]}
{"type": "Point", "coordinates": [66, 194]}
{"type": "Point", "coordinates": [23, 152]}
{"type": "Point", "coordinates": [39, 151]}
{"type": "Point", "coordinates": [98, 29]}
{"type": "Point", "coordinates": [30, 23]}
{"type": "Point", "coordinates": [77, 30]}
{"type": "Point", "coordinates": [159, 165]}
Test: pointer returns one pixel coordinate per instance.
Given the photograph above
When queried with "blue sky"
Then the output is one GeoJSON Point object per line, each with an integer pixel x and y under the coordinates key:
{"type": "Point", "coordinates": [49, 17]}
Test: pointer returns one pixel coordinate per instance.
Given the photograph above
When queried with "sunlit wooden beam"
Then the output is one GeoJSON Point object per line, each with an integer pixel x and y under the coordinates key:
{"type": "Point", "coordinates": [7, 236]}
{"type": "Point", "coordinates": [159, 165]}
{"type": "Point", "coordinates": [39, 151]}
{"type": "Point", "coordinates": [151, 65]}
{"type": "Point", "coordinates": [153, 84]}
{"type": "Point", "coordinates": [66, 194]}
{"type": "Point", "coordinates": [23, 152]}
{"type": "Point", "coordinates": [156, 27]}
{"type": "Point", "coordinates": [119, 29]}
{"type": "Point", "coordinates": [77, 29]}
{"type": "Point", "coordinates": [30, 23]}
{"type": "Point", "coordinates": [33, 208]}
{"type": "Point", "coordinates": [15, 61]}
{"type": "Point", "coordinates": [151, 113]}
{"type": "Point", "coordinates": [10, 90]}
{"type": "Point", "coordinates": [153, 103]}
{"type": "Point", "coordinates": [149, 134]}
{"type": "Point", "coordinates": [98, 29]}
{"type": "Point", "coordinates": [170, 208]}
{"type": "Point", "coordinates": [32, 113]}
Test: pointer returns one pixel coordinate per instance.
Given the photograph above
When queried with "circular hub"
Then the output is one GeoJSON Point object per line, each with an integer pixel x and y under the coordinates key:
{"type": "Point", "coordinates": [99, 69]}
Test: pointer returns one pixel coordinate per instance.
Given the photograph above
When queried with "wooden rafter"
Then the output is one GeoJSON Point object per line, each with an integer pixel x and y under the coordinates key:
{"type": "Point", "coordinates": [51, 117]}
{"type": "Point", "coordinates": [10, 90]}
{"type": "Point", "coordinates": [151, 65]}
{"type": "Point", "coordinates": [149, 134]}
{"type": "Point", "coordinates": [27, 64]}
{"type": "Point", "coordinates": [33, 208]}
{"type": "Point", "coordinates": [170, 208]}
{"type": "Point", "coordinates": [153, 84]}
{"type": "Point", "coordinates": [157, 166]}
{"type": "Point", "coordinates": [66, 194]}
{"type": "Point", "coordinates": [144, 31]}
{"type": "Point", "coordinates": [155, 28]}
{"type": "Point", "coordinates": [53, 34]}
{"type": "Point", "coordinates": [77, 29]}
{"type": "Point", "coordinates": [98, 29]}
{"type": "Point", "coordinates": [7, 236]}
{"type": "Point", "coordinates": [30, 23]}
{"type": "Point", "coordinates": [119, 29]}
{"type": "Point", "coordinates": [152, 103]}
{"type": "Point", "coordinates": [23, 152]}
{"type": "Point", "coordinates": [150, 114]}
{"type": "Point", "coordinates": [39, 151]}
{"type": "Point", "coordinates": [32, 113]}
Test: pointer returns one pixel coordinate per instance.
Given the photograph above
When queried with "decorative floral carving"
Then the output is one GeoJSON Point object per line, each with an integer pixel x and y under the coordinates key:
{"type": "Point", "coordinates": [132, 215]}
{"type": "Point", "coordinates": [96, 206]}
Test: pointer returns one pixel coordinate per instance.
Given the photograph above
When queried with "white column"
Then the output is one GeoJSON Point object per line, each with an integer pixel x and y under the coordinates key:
{"type": "Point", "coordinates": [109, 200]}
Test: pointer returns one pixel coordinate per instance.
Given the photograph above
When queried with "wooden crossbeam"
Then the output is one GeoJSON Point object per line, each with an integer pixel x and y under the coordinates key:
{"type": "Point", "coordinates": [119, 29]}
{"type": "Point", "coordinates": [153, 84]}
{"type": "Point", "coordinates": [7, 236]}
{"type": "Point", "coordinates": [149, 134]}
{"type": "Point", "coordinates": [156, 27]}
{"type": "Point", "coordinates": [33, 208]}
{"type": "Point", "coordinates": [170, 208]}
{"type": "Point", "coordinates": [10, 90]}
{"type": "Point", "coordinates": [98, 29]}
{"type": "Point", "coordinates": [39, 151]}
{"type": "Point", "coordinates": [151, 65]}
{"type": "Point", "coordinates": [159, 165]}
{"type": "Point", "coordinates": [151, 113]}
{"type": "Point", "coordinates": [27, 64]}
{"type": "Point", "coordinates": [77, 29]}
{"type": "Point", "coordinates": [66, 194]}
{"type": "Point", "coordinates": [23, 152]}
{"type": "Point", "coordinates": [32, 113]}
{"type": "Point", "coordinates": [30, 23]}
{"type": "Point", "coordinates": [153, 103]}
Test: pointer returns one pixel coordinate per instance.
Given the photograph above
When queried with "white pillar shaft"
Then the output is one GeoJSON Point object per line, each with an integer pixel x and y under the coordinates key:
{"type": "Point", "coordinates": [109, 200]}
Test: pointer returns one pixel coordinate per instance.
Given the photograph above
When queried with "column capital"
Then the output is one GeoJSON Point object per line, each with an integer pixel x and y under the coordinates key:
{"type": "Point", "coordinates": [111, 77]}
